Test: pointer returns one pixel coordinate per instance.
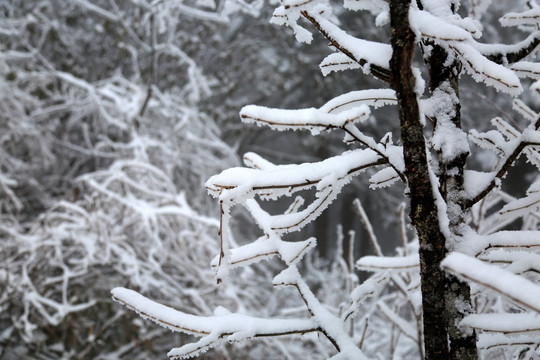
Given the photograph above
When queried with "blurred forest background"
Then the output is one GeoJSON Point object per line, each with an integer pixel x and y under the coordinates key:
{"type": "Point", "coordinates": [113, 114]}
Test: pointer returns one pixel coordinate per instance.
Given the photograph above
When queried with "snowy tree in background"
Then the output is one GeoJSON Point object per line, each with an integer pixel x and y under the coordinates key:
{"type": "Point", "coordinates": [101, 164]}
{"type": "Point", "coordinates": [465, 284]}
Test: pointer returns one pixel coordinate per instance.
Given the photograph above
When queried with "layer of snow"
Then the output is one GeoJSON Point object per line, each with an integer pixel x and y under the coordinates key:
{"type": "Point", "coordinates": [289, 252]}
{"type": "Point", "coordinates": [506, 323]}
{"type": "Point", "coordinates": [529, 17]}
{"type": "Point", "coordinates": [310, 119]}
{"type": "Point", "coordinates": [515, 287]}
{"type": "Point", "coordinates": [234, 327]}
{"type": "Point", "coordinates": [289, 177]}
{"type": "Point", "coordinates": [383, 178]}
{"type": "Point", "coordinates": [383, 263]}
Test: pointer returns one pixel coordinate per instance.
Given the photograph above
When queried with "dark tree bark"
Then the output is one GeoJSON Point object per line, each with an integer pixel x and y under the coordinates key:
{"type": "Point", "coordinates": [423, 209]}
{"type": "Point", "coordinates": [457, 294]}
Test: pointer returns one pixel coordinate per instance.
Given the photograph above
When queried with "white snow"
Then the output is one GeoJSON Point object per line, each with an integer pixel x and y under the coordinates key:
{"type": "Point", "coordinates": [375, 98]}
{"type": "Point", "coordinates": [263, 249]}
{"type": "Point", "coordinates": [506, 323]}
{"type": "Point", "coordinates": [439, 25]}
{"type": "Point", "coordinates": [211, 328]}
{"type": "Point", "coordinates": [383, 178]}
{"type": "Point", "coordinates": [372, 52]}
{"type": "Point", "coordinates": [527, 69]}
{"type": "Point", "coordinates": [529, 17]}
{"type": "Point", "coordinates": [478, 244]}
{"type": "Point", "coordinates": [289, 178]}
{"type": "Point", "coordinates": [374, 6]}
{"type": "Point", "coordinates": [384, 263]}
{"type": "Point", "coordinates": [311, 119]}
{"type": "Point", "coordinates": [515, 287]}
{"type": "Point", "coordinates": [476, 181]}
{"type": "Point", "coordinates": [434, 26]}
{"type": "Point", "coordinates": [337, 62]}
{"type": "Point", "coordinates": [488, 341]}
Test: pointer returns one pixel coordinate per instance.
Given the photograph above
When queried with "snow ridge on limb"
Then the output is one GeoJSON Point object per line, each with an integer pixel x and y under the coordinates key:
{"type": "Point", "coordinates": [528, 17]}
{"type": "Point", "coordinates": [337, 62]}
{"type": "Point", "coordinates": [345, 109]}
{"type": "Point", "coordinates": [372, 97]}
{"type": "Point", "coordinates": [211, 329]}
{"type": "Point", "coordinates": [375, 6]}
{"type": "Point", "coordinates": [515, 287]}
{"type": "Point", "coordinates": [373, 57]}
{"type": "Point", "coordinates": [527, 69]}
{"type": "Point", "coordinates": [503, 323]}
{"type": "Point", "coordinates": [447, 33]}
{"type": "Point", "coordinates": [236, 184]}
{"type": "Point", "coordinates": [389, 263]}
{"type": "Point", "coordinates": [482, 246]}
{"type": "Point", "coordinates": [383, 178]}
{"type": "Point", "coordinates": [263, 249]}
{"type": "Point", "coordinates": [311, 119]}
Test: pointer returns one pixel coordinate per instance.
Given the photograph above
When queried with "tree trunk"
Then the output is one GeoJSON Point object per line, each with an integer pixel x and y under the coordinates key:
{"type": "Point", "coordinates": [444, 78]}
{"type": "Point", "coordinates": [423, 209]}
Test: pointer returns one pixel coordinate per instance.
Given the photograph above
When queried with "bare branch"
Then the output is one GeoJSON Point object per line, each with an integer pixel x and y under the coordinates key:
{"type": "Point", "coordinates": [367, 224]}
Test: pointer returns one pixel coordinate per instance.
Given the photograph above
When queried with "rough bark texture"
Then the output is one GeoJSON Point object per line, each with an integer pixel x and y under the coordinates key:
{"type": "Point", "coordinates": [423, 210]}
{"type": "Point", "coordinates": [457, 294]}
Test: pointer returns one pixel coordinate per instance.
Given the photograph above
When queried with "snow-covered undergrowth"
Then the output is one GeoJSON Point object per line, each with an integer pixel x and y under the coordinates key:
{"type": "Point", "coordinates": [101, 167]}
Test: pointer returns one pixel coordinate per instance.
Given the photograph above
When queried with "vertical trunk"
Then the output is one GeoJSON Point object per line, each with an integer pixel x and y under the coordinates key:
{"type": "Point", "coordinates": [423, 207]}
{"type": "Point", "coordinates": [444, 78]}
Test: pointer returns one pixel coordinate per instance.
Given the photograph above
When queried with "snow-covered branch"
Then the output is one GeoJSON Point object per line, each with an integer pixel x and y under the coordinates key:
{"type": "Point", "coordinates": [373, 61]}
{"type": "Point", "coordinates": [331, 326]}
{"type": "Point", "coordinates": [234, 185]}
{"type": "Point", "coordinates": [212, 329]}
{"type": "Point", "coordinates": [515, 287]}
{"type": "Point", "coordinates": [510, 150]}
